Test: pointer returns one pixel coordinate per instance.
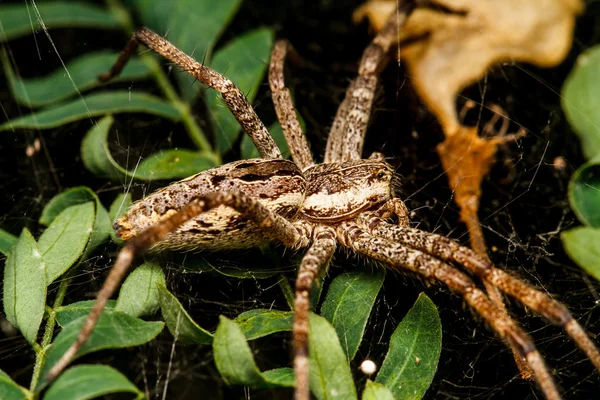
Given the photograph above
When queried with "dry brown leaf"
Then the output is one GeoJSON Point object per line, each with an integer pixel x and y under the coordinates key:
{"type": "Point", "coordinates": [459, 47]}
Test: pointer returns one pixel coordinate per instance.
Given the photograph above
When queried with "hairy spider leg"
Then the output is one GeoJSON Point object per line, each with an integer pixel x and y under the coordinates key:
{"type": "Point", "coordinates": [274, 225]}
{"type": "Point", "coordinates": [347, 134]}
{"type": "Point", "coordinates": [233, 97]}
{"type": "Point", "coordinates": [317, 256]}
{"type": "Point", "coordinates": [450, 251]}
{"type": "Point", "coordinates": [397, 255]}
{"type": "Point", "coordinates": [284, 107]}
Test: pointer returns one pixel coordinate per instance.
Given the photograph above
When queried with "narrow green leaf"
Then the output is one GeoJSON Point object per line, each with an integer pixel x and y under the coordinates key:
{"type": "Point", "coordinates": [180, 324]}
{"type": "Point", "coordinates": [348, 305]}
{"type": "Point", "coordinates": [95, 153]}
{"type": "Point", "coordinates": [582, 244]}
{"type": "Point", "coordinates": [206, 18]}
{"type": "Point", "coordinates": [7, 241]}
{"type": "Point", "coordinates": [11, 391]}
{"type": "Point", "coordinates": [74, 196]}
{"type": "Point", "coordinates": [65, 239]}
{"type": "Point", "coordinates": [93, 105]}
{"type": "Point", "coordinates": [581, 99]}
{"type": "Point", "coordinates": [281, 377]}
{"type": "Point", "coordinates": [58, 86]}
{"type": "Point", "coordinates": [584, 194]}
{"type": "Point", "coordinates": [258, 323]}
{"type": "Point", "coordinates": [17, 19]}
{"type": "Point", "coordinates": [174, 164]}
{"type": "Point", "coordinates": [114, 330]}
{"type": "Point", "coordinates": [415, 347]}
{"type": "Point", "coordinates": [69, 313]}
{"type": "Point", "coordinates": [243, 61]}
{"type": "Point", "coordinates": [233, 357]}
{"type": "Point", "coordinates": [376, 391]}
{"type": "Point", "coordinates": [84, 382]}
{"type": "Point", "coordinates": [139, 293]}
{"type": "Point", "coordinates": [249, 150]}
{"type": "Point", "coordinates": [330, 376]}
{"type": "Point", "coordinates": [118, 208]}
{"type": "Point", "coordinates": [25, 286]}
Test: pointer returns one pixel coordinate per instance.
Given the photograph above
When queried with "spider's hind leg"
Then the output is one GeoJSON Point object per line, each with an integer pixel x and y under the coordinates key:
{"type": "Point", "coordinates": [277, 228]}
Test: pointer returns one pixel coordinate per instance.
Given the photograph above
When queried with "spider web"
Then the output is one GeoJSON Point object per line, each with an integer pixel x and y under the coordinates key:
{"type": "Point", "coordinates": [523, 209]}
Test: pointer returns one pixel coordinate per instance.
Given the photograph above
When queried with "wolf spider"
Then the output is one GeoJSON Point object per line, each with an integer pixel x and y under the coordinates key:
{"type": "Point", "coordinates": [346, 201]}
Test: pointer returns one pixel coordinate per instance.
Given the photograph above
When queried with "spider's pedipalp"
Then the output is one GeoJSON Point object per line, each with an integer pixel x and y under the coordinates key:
{"type": "Point", "coordinates": [317, 256]}
{"type": "Point", "coordinates": [399, 256]}
{"type": "Point", "coordinates": [233, 97]}
{"type": "Point", "coordinates": [285, 109]}
{"type": "Point", "coordinates": [275, 226]}
{"type": "Point", "coordinates": [448, 250]}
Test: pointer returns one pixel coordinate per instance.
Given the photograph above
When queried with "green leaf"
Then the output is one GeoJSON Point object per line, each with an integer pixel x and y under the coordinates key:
{"type": "Point", "coordinates": [330, 376]}
{"type": "Point", "coordinates": [581, 100]}
{"type": "Point", "coordinates": [84, 382]}
{"type": "Point", "coordinates": [74, 196]}
{"type": "Point", "coordinates": [118, 208]}
{"type": "Point", "coordinates": [20, 19]}
{"type": "Point", "coordinates": [69, 313]}
{"type": "Point", "coordinates": [243, 61]}
{"type": "Point", "coordinates": [65, 239]}
{"type": "Point", "coordinates": [258, 323]}
{"type": "Point", "coordinates": [93, 105]}
{"type": "Point", "coordinates": [206, 18]}
{"type": "Point", "coordinates": [582, 244]}
{"type": "Point", "coordinates": [282, 377]}
{"type": "Point", "coordinates": [376, 391]}
{"type": "Point", "coordinates": [7, 241]}
{"type": "Point", "coordinates": [249, 150]}
{"type": "Point", "coordinates": [83, 75]}
{"type": "Point", "coordinates": [235, 363]}
{"type": "Point", "coordinates": [168, 164]}
{"type": "Point", "coordinates": [139, 293]}
{"type": "Point", "coordinates": [584, 194]}
{"type": "Point", "coordinates": [25, 286]}
{"type": "Point", "coordinates": [233, 357]}
{"type": "Point", "coordinates": [10, 390]}
{"type": "Point", "coordinates": [174, 164]}
{"type": "Point", "coordinates": [180, 324]}
{"type": "Point", "coordinates": [348, 305]}
{"type": "Point", "coordinates": [114, 330]}
{"type": "Point", "coordinates": [415, 347]}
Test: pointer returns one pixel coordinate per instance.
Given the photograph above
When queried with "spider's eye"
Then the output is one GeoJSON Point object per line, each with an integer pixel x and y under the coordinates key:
{"type": "Point", "coordinates": [381, 174]}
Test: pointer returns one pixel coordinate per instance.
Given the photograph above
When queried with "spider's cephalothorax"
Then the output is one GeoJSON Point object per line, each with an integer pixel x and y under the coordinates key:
{"type": "Point", "coordinates": [346, 201]}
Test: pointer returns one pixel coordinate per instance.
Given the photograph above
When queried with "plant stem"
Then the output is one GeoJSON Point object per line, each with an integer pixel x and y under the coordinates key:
{"type": "Point", "coordinates": [192, 128]}
{"type": "Point", "coordinates": [40, 357]}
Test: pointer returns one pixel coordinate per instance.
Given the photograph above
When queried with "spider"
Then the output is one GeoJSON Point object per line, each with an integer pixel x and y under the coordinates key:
{"type": "Point", "coordinates": [346, 202]}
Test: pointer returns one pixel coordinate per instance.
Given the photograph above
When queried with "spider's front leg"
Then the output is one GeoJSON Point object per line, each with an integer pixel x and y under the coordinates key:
{"type": "Point", "coordinates": [450, 251]}
{"type": "Point", "coordinates": [273, 225]}
{"type": "Point", "coordinates": [402, 257]}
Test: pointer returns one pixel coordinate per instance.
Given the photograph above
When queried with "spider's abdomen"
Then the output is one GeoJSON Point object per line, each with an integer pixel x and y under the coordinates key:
{"type": "Point", "coordinates": [277, 184]}
{"type": "Point", "coordinates": [340, 190]}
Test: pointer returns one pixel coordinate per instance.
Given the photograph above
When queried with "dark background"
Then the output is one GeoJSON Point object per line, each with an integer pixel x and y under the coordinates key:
{"type": "Point", "coordinates": [523, 209]}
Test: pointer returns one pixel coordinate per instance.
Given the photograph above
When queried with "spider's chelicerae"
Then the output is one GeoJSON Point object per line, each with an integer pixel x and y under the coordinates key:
{"type": "Point", "coordinates": [346, 201]}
